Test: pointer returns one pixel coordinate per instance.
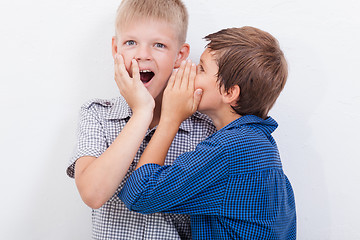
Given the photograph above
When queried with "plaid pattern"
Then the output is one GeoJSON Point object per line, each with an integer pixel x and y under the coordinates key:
{"type": "Point", "coordinates": [100, 123]}
{"type": "Point", "coordinates": [232, 185]}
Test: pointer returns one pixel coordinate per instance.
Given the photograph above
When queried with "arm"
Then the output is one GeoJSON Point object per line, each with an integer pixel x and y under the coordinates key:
{"type": "Point", "coordinates": [194, 184]}
{"type": "Point", "coordinates": [180, 101]}
{"type": "Point", "coordinates": [98, 178]}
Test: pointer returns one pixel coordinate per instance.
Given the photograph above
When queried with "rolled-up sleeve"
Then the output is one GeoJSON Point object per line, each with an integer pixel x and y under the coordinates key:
{"type": "Point", "coordinates": [91, 140]}
{"type": "Point", "coordinates": [194, 184]}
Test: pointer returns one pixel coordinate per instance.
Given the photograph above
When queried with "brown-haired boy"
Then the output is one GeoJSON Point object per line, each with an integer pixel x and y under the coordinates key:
{"type": "Point", "coordinates": [150, 40]}
{"type": "Point", "coordinates": [232, 185]}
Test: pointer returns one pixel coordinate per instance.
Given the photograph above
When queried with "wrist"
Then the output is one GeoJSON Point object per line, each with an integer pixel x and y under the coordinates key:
{"type": "Point", "coordinates": [169, 123]}
{"type": "Point", "coordinates": [145, 114]}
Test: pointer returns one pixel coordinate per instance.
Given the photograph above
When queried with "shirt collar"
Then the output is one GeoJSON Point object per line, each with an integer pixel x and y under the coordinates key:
{"type": "Point", "coordinates": [268, 125]}
{"type": "Point", "coordinates": [188, 124]}
{"type": "Point", "coordinates": [121, 110]}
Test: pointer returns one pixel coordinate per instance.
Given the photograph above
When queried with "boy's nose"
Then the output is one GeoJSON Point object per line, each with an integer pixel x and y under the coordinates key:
{"type": "Point", "coordinates": [143, 53]}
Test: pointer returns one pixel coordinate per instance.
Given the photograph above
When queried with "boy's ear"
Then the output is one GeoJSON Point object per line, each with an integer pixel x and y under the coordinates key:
{"type": "Point", "coordinates": [114, 46]}
{"type": "Point", "coordinates": [232, 95]}
{"type": "Point", "coordinates": [182, 54]}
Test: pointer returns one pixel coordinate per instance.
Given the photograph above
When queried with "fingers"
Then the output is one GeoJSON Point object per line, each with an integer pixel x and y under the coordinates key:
{"type": "Point", "coordinates": [121, 65]}
{"type": "Point", "coordinates": [197, 98]}
{"type": "Point", "coordinates": [179, 75]}
{"type": "Point", "coordinates": [116, 63]}
{"type": "Point", "coordinates": [172, 79]}
{"type": "Point", "coordinates": [135, 69]}
{"type": "Point", "coordinates": [185, 78]}
{"type": "Point", "coordinates": [192, 77]}
{"type": "Point", "coordinates": [120, 72]}
{"type": "Point", "coordinates": [184, 72]}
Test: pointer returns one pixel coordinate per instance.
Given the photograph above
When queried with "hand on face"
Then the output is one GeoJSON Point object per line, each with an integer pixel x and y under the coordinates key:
{"type": "Point", "coordinates": [131, 88]}
{"type": "Point", "coordinates": [180, 99]}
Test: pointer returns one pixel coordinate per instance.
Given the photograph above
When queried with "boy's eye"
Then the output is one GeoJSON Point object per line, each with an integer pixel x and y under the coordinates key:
{"type": "Point", "coordinates": [159, 45]}
{"type": "Point", "coordinates": [200, 68]}
{"type": "Point", "coordinates": [130, 43]}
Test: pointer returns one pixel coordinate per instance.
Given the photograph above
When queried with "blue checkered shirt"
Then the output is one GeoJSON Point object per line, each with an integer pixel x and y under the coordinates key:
{"type": "Point", "coordinates": [100, 123]}
{"type": "Point", "coordinates": [233, 185]}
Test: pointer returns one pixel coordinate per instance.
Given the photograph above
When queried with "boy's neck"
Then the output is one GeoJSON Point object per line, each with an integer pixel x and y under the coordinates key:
{"type": "Point", "coordinates": [156, 117]}
{"type": "Point", "coordinates": [157, 112]}
{"type": "Point", "coordinates": [223, 117]}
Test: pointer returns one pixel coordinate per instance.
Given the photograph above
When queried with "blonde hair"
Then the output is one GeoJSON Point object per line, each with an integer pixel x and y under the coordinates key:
{"type": "Point", "coordinates": [171, 11]}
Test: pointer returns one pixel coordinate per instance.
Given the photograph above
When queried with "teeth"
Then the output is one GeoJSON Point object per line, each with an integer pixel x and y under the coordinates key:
{"type": "Point", "coordinates": [145, 71]}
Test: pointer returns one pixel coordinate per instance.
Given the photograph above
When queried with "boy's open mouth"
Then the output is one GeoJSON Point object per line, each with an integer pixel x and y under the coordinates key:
{"type": "Point", "coordinates": [146, 76]}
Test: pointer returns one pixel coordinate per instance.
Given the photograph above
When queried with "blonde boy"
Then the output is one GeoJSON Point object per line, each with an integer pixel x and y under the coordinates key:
{"type": "Point", "coordinates": [149, 44]}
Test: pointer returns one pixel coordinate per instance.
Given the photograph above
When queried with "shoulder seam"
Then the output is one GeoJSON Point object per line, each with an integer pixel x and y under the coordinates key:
{"type": "Point", "coordinates": [99, 101]}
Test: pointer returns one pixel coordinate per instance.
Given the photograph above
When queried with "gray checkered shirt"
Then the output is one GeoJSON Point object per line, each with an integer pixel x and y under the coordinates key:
{"type": "Point", "coordinates": [100, 123]}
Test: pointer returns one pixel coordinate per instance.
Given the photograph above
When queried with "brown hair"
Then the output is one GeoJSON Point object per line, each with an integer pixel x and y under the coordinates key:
{"type": "Point", "coordinates": [171, 11]}
{"type": "Point", "coordinates": [252, 59]}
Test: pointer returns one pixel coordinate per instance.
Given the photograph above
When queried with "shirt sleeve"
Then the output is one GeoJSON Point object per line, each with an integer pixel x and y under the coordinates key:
{"type": "Point", "coordinates": [91, 140]}
{"type": "Point", "coordinates": [194, 184]}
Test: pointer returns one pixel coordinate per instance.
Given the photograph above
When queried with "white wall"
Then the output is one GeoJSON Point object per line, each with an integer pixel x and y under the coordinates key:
{"type": "Point", "coordinates": [55, 55]}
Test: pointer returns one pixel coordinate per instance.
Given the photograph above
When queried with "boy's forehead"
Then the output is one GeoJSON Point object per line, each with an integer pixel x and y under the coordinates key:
{"type": "Point", "coordinates": [209, 60]}
{"type": "Point", "coordinates": [145, 21]}
{"type": "Point", "coordinates": [149, 28]}
{"type": "Point", "coordinates": [208, 55]}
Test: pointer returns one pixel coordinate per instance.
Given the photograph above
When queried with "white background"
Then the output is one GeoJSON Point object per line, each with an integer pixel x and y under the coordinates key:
{"type": "Point", "coordinates": [55, 55]}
